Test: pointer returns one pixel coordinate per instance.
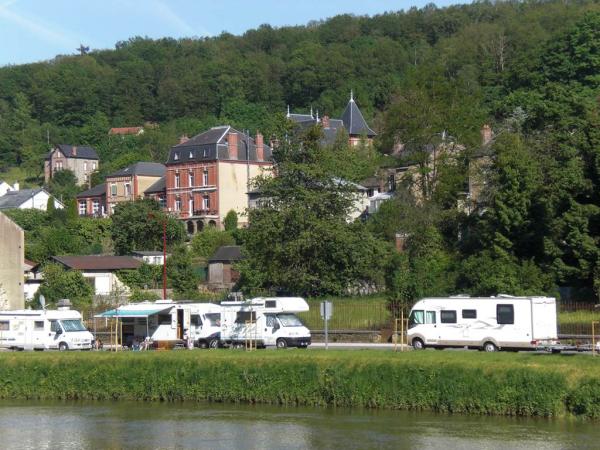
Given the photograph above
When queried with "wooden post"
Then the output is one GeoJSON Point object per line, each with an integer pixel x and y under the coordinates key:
{"type": "Point", "coordinates": [594, 323]}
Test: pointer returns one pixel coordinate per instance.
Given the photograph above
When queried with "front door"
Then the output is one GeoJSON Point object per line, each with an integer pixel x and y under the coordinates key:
{"type": "Point", "coordinates": [270, 329]}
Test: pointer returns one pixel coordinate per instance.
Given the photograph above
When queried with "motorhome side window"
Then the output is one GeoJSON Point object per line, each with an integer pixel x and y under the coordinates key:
{"type": "Point", "coordinates": [5, 325]}
{"type": "Point", "coordinates": [271, 304]}
{"type": "Point", "coordinates": [54, 326]}
{"type": "Point", "coordinates": [505, 314]}
{"type": "Point", "coordinates": [417, 317]}
{"type": "Point", "coordinates": [270, 320]}
{"type": "Point", "coordinates": [245, 316]}
{"type": "Point", "coordinates": [38, 325]}
{"type": "Point", "coordinates": [164, 319]}
{"type": "Point", "coordinates": [214, 319]}
{"type": "Point", "coordinates": [448, 316]}
{"type": "Point", "coordinates": [430, 317]}
{"type": "Point", "coordinates": [469, 314]}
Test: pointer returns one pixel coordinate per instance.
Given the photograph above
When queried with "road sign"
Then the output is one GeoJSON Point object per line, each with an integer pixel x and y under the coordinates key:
{"type": "Point", "coordinates": [326, 310]}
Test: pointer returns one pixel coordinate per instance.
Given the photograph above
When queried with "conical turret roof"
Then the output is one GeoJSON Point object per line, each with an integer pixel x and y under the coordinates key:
{"type": "Point", "coordinates": [354, 122]}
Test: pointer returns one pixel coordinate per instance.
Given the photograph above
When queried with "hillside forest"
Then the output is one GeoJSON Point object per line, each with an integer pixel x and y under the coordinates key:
{"type": "Point", "coordinates": [528, 69]}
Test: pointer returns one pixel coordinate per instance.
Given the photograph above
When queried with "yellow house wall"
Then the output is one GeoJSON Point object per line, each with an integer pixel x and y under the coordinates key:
{"type": "Point", "coordinates": [11, 265]}
{"type": "Point", "coordinates": [233, 188]}
{"type": "Point", "coordinates": [144, 182]}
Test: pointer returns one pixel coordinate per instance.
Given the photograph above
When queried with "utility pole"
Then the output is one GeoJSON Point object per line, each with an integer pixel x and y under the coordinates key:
{"type": "Point", "coordinates": [165, 258]}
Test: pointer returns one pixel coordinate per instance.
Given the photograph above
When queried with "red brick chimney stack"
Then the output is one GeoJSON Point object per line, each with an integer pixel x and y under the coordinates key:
{"type": "Point", "coordinates": [183, 139]}
{"type": "Point", "coordinates": [232, 143]}
{"type": "Point", "coordinates": [486, 134]}
{"type": "Point", "coordinates": [260, 147]}
{"type": "Point", "coordinates": [325, 121]}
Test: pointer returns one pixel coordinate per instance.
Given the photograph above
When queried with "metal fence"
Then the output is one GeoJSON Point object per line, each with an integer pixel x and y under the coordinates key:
{"type": "Point", "coordinates": [575, 318]}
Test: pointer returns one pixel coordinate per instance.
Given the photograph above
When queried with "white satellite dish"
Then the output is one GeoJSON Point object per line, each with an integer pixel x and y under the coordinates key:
{"type": "Point", "coordinates": [43, 301]}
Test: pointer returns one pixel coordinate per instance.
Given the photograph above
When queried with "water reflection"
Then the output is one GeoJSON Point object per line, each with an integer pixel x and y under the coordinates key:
{"type": "Point", "coordinates": [42, 425]}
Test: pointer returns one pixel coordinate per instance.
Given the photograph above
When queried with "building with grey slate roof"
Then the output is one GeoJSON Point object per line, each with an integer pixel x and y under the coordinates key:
{"type": "Point", "coordinates": [131, 182]}
{"type": "Point", "coordinates": [81, 160]}
{"type": "Point", "coordinates": [209, 175]}
{"type": "Point", "coordinates": [27, 199]}
{"type": "Point", "coordinates": [352, 122]}
{"type": "Point", "coordinates": [92, 203]}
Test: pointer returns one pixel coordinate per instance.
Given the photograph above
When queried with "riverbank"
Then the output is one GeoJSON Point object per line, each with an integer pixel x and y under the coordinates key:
{"type": "Point", "coordinates": [457, 382]}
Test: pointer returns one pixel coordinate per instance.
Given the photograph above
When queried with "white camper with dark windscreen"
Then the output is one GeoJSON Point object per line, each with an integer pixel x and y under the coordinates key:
{"type": "Point", "coordinates": [486, 323]}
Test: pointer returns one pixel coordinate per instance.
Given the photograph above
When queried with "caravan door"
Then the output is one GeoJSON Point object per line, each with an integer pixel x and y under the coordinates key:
{"type": "Point", "coordinates": [270, 329]}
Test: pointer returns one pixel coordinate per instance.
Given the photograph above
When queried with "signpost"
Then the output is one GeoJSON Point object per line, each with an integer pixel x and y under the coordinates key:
{"type": "Point", "coordinates": [326, 313]}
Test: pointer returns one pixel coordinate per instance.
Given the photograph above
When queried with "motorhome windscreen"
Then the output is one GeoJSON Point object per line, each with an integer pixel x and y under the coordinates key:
{"type": "Point", "coordinates": [289, 320]}
{"type": "Point", "coordinates": [417, 317]}
{"type": "Point", "coordinates": [213, 319]}
{"type": "Point", "coordinates": [72, 325]}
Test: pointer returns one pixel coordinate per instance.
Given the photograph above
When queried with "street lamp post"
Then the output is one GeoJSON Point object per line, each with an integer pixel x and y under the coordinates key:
{"type": "Point", "coordinates": [164, 224]}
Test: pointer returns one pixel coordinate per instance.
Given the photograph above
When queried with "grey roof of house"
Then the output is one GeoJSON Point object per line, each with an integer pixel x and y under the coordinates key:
{"type": "Point", "coordinates": [96, 262]}
{"type": "Point", "coordinates": [14, 199]}
{"type": "Point", "coordinates": [354, 121]}
{"type": "Point", "coordinates": [159, 186]}
{"type": "Point", "coordinates": [81, 151]}
{"type": "Point", "coordinates": [147, 253]}
{"type": "Point", "coordinates": [227, 253]}
{"type": "Point", "coordinates": [301, 117]}
{"type": "Point", "coordinates": [150, 169]}
{"type": "Point", "coordinates": [212, 145]}
{"type": "Point", "coordinates": [96, 191]}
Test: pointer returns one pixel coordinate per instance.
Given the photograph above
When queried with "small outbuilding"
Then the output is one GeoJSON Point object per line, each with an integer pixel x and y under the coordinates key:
{"type": "Point", "coordinates": [221, 274]}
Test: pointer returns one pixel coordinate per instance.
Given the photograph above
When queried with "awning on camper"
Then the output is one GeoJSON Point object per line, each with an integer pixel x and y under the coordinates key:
{"type": "Point", "coordinates": [126, 312]}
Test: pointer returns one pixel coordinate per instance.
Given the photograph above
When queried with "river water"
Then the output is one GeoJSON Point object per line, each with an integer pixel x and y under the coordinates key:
{"type": "Point", "coordinates": [83, 425]}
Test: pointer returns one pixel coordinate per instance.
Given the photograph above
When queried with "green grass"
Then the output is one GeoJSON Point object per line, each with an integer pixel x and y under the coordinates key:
{"type": "Point", "coordinates": [461, 382]}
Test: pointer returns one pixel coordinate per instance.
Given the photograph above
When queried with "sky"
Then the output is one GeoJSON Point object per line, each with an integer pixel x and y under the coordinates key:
{"type": "Point", "coordinates": [37, 30]}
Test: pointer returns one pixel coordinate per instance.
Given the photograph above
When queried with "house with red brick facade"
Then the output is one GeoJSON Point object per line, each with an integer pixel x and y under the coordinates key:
{"type": "Point", "coordinates": [209, 175]}
{"type": "Point", "coordinates": [92, 203]}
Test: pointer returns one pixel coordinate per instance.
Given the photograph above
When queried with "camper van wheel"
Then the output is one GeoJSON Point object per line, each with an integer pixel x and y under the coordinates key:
{"type": "Point", "coordinates": [202, 344]}
{"type": "Point", "coordinates": [214, 343]}
{"type": "Point", "coordinates": [281, 343]}
{"type": "Point", "coordinates": [63, 346]}
{"type": "Point", "coordinates": [418, 344]}
{"type": "Point", "coordinates": [490, 347]}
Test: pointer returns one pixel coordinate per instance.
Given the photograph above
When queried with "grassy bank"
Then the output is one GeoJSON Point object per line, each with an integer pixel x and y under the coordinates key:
{"type": "Point", "coordinates": [460, 382]}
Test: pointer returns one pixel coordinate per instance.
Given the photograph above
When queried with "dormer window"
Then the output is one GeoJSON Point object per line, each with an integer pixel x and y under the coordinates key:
{"type": "Point", "coordinates": [191, 154]}
{"type": "Point", "coordinates": [205, 153]}
{"type": "Point", "coordinates": [176, 156]}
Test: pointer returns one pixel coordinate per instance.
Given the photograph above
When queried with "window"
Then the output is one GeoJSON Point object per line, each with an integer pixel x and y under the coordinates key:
{"type": "Point", "coordinates": [196, 321]}
{"type": "Point", "coordinates": [95, 206]}
{"type": "Point", "coordinates": [178, 204]}
{"type": "Point", "coordinates": [270, 320]}
{"type": "Point", "coordinates": [82, 208]}
{"type": "Point", "coordinates": [191, 179]}
{"type": "Point", "coordinates": [176, 180]}
{"type": "Point", "coordinates": [245, 316]}
{"type": "Point", "coordinates": [38, 325]}
{"type": "Point", "coordinates": [289, 320]}
{"type": "Point", "coordinates": [127, 189]}
{"type": "Point", "coordinates": [271, 304]}
{"type": "Point", "coordinates": [191, 205]}
{"type": "Point", "coordinates": [448, 316]}
{"type": "Point", "coordinates": [416, 318]}
{"type": "Point", "coordinates": [4, 325]}
{"type": "Point", "coordinates": [54, 327]}
{"type": "Point", "coordinates": [505, 314]}
{"type": "Point", "coordinates": [176, 156]}
{"type": "Point", "coordinates": [164, 319]}
{"type": "Point", "coordinates": [191, 154]}
{"type": "Point", "coordinates": [430, 317]}
{"type": "Point", "coordinates": [85, 166]}
{"type": "Point", "coordinates": [73, 325]}
{"type": "Point", "coordinates": [214, 319]}
{"type": "Point", "coordinates": [113, 190]}
{"type": "Point", "coordinates": [469, 314]}
{"type": "Point", "coordinates": [162, 201]}
{"type": "Point", "coordinates": [206, 202]}
{"type": "Point", "coordinates": [93, 166]}
{"type": "Point", "coordinates": [205, 177]}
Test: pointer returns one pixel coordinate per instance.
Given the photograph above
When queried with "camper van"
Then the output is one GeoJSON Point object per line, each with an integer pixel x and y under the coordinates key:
{"type": "Point", "coordinates": [489, 323]}
{"type": "Point", "coordinates": [266, 321]}
{"type": "Point", "coordinates": [43, 330]}
{"type": "Point", "coordinates": [169, 322]}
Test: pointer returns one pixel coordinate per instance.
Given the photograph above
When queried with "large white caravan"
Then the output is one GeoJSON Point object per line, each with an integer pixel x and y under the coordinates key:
{"type": "Point", "coordinates": [44, 329]}
{"type": "Point", "coordinates": [267, 321]}
{"type": "Point", "coordinates": [168, 321]}
{"type": "Point", "coordinates": [489, 323]}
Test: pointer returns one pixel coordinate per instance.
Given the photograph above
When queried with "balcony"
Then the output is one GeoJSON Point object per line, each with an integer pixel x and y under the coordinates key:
{"type": "Point", "coordinates": [205, 212]}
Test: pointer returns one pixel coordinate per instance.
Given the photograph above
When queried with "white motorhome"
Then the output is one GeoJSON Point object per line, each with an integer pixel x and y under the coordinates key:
{"type": "Point", "coordinates": [169, 322]}
{"type": "Point", "coordinates": [267, 321]}
{"type": "Point", "coordinates": [488, 323]}
{"type": "Point", "coordinates": [43, 330]}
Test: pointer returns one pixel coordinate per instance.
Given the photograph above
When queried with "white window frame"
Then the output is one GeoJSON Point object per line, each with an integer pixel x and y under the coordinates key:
{"type": "Point", "coordinates": [177, 180]}
{"type": "Point", "coordinates": [191, 178]}
{"type": "Point", "coordinates": [205, 177]}
{"type": "Point", "coordinates": [178, 204]}
{"type": "Point", "coordinates": [113, 189]}
{"type": "Point", "coordinates": [206, 202]}
{"type": "Point", "coordinates": [82, 207]}
{"type": "Point", "coordinates": [127, 189]}
{"type": "Point", "coordinates": [95, 206]}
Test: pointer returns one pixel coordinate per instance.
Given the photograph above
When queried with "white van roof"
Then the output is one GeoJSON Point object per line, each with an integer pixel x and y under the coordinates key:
{"type": "Point", "coordinates": [43, 313]}
{"type": "Point", "coordinates": [273, 304]}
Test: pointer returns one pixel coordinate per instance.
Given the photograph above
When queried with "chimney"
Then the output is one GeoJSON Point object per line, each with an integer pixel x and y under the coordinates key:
{"type": "Point", "coordinates": [183, 139]}
{"type": "Point", "coordinates": [260, 147]}
{"type": "Point", "coordinates": [16, 186]}
{"type": "Point", "coordinates": [486, 134]}
{"type": "Point", "coordinates": [232, 144]}
{"type": "Point", "coordinates": [325, 121]}
{"type": "Point", "coordinates": [74, 150]}
{"type": "Point", "coordinates": [401, 239]}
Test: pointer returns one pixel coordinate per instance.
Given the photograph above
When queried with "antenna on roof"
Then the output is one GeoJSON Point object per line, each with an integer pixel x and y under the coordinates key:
{"type": "Point", "coordinates": [82, 49]}
{"type": "Point", "coordinates": [288, 113]}
{"type": "Point", "coordinates": [311, 112]}
{"type": "Point", "coordinates": [351, 95]}
{"type": "Point", "coordinates": [317, 116]}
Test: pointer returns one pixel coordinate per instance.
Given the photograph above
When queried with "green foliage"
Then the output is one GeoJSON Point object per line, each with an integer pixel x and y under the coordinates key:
{"type": "Point", "coordinates": [206, 243]}
{"type": "Point", "coordinates": [453, 382]}
{"type": "Point", "coordinates": [50, 207]}
{"type": "Point", "coordinates": [63, 185]}
{"type": "Point", "coordinates": [60, 283]}
{"type": "Point", "coordinates": [138, 225]}
{"type": "Point", "coordinates": [231, 221]}
{"type": "Point", "coordinates": [180, 272]}
{"type": "Point", "coordinates": [147, 276]}
{"type": "Point", "coordinates": [139, 295]}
